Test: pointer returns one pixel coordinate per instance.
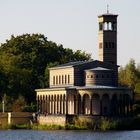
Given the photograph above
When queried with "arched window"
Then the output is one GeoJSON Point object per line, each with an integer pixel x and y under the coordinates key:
{"type": "Point", "coordinates": [113, 45]}
{"type": "Point", "coordinates": [114, 27]}
{"type": "Point", "coordinates": [59, 79]}
{"type": "Point", "coordinates": [110, 45]}
{"type": "Point", "coordinates": [68, 78]}
{"type": "Point", "coordinates": [62, 79]}
{"type": "Point", "coordinates": [56, 80]}
{"type": "Point", "coordinates": [100, 26]}
{"type": "Point", "coordinates": [105, 26]}
{"type": "Point", "coordinates": [65, 79]}
{"type": "Point", "coordinates": [110, 26]}
{"type": "Point", "coordinates": [106, 44]}
{"type": "Point", "coordinates": [100, 45]}
{"type": "Point", "coordinates": [53, 80]}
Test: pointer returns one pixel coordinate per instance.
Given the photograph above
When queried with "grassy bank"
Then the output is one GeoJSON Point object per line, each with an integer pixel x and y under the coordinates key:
{"type": "Point", "coordinates": [20, 126]}
{"type": "Point", "coordinates": [104, 125]}
{"type": "Point", "coordinates": [120, 124]}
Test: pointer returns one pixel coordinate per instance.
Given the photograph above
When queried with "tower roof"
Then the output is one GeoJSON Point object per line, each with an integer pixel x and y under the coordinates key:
{"type": "Point", "coordinates": [108, 15]}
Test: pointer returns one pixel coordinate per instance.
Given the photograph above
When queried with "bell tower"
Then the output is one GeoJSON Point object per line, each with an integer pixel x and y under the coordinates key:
{"type": "Point", "coordinates": [107, 38]}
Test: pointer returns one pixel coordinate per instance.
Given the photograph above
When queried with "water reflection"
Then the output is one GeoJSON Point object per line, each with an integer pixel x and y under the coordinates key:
{"type": "Point", "coordinates": [68, 135]}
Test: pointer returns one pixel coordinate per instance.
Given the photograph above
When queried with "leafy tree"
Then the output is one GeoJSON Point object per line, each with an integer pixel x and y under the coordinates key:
{"type": "Point", "coordinates": [130, 76]}
{"type": "Point", "coordinates": [19, 104]}
{"type": "Point", "coordinates": [137, 88]}
{"type": "Point", "coordinates": [24, 63]}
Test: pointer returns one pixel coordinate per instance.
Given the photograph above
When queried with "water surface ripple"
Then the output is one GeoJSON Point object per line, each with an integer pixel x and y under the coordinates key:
{"type": "Point", "coordinates": [68, 135]}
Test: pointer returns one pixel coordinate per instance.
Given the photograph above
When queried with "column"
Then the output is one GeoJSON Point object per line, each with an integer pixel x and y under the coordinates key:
{"type": "Point", "coordinates": [62, 105]}
{"type": "Point", "coordinates": [45, 104]}
{"type": "Point", "coordinates": [90, 105]}
{"type": "Point", "coordinates": [101, 112]}
{"type": "Point", "coordinates": [54, 105]}
{"type": "Point", "coordinates": [50, 104]}
{"type": "Point", "coordinates": [76, 105]}
{"type": "Point", "coordinates": [82, 105]}
{"type": "Point", "coordinates": [42, 106]}
{"type": "Point", "coordinates": [37, 108]}
{"type": "Point", "coordinates": [66, 104]}
{"type": "Point", "coordinates": [58, 106]}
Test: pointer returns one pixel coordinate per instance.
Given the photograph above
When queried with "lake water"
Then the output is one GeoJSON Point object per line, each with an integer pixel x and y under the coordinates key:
{"type": "Point", "coordinates": [68, 135]}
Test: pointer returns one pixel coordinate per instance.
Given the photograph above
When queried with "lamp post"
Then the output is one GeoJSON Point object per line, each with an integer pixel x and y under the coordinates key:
{"type": "Point", "coordinates": [3, 106]}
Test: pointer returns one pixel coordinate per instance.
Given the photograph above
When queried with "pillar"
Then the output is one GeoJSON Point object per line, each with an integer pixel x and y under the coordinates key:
{"type": "Point", "coordinates": [82, 105]}
{"type": "Point", "coordinates": [66, 104]}
{"type": "Point", "coordinates": [101, 111]}
{"type": "Point", "coordinates": [90, 98]}
{"type": "Point", "coordinates": [50, 104]}
{"type": "Point", "coordinates": [43, 105]}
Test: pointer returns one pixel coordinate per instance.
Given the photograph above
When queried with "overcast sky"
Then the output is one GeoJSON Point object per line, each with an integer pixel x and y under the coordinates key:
{"type": "Point", "coordinates": [73, 23]}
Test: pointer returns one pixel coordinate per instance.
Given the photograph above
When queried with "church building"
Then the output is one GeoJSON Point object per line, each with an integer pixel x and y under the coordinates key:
{"type": "Point", "coordinates": [87, 88]}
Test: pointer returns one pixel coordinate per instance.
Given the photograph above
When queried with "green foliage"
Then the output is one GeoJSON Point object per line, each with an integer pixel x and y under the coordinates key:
{"type": "Point", "coordinates": [137, 88]}
{"type": "Point", "coordinates": [108, 124]}
{"type": "Point", "coordinates": [47, 127]}
{"type": "Point", "coordinates": [130, 76]}
{"type": "Point", "coordinates": [19, 104]}
{"type": "Point", "coordinates": [24, 63]}
{"type": "Point", "coordinates": [136, 109]}
{"type": "Point", "coordinates": [13, 127]}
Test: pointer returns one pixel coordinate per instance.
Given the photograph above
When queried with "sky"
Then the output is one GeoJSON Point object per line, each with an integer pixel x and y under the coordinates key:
{"type": "Point", "coordinates": [73, 23]}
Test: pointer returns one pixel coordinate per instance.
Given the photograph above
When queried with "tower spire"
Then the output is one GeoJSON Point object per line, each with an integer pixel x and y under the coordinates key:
{"type": "Point", "coordinates": [107, 8]}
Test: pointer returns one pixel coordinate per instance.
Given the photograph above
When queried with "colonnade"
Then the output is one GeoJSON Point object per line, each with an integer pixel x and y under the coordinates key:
{"type": "Point", "coordinates": [85, 104]}
{"type": "Point", "coordinates": [51, 104]}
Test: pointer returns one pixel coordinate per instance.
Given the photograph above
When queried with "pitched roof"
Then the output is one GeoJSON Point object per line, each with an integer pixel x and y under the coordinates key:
{"type": "Point", "coordinates": [77, 63]}
{"type": "Point", "coordinates": [98, 68]}
{"type": "Point", "coordinates": [71, 64]}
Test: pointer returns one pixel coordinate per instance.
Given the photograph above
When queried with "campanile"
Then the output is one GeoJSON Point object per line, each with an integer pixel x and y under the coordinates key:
{"type": "Point", "coordinates": [107, 38]}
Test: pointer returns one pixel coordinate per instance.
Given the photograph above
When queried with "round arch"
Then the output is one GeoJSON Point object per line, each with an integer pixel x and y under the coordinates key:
{"type": "Point", "coordinates": [71, 103]}
{"type": "Point", "coordinates": [86, 104]}
{"type": "Point", "coordinates": [96, 107]}
{"type": "Point", "coordinates": [114, 105]}
{"type": "Point", "coordinates": [105, 105]}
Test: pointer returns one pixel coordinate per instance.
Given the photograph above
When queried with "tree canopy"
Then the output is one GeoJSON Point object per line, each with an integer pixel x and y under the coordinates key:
{"type": "Point", "coordinates": [130, 76]}
{"type": "Point", "coordinates": [24, 62]}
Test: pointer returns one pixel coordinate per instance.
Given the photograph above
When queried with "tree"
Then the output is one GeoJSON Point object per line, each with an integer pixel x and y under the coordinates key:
{"type": "Point", "coordinates": [19, 104]}
{"type": "Point", "coordinates": [130, 76]}
{"type": "Point", "coordinates": [131, 72]}
{"type": "Point", "coordinates": [137, 88]}
{"type": "Point", "coordinates": [24, 63]}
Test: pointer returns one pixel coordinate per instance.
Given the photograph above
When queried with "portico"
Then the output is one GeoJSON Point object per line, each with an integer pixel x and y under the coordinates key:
{"type": "Point", "coordinates": [90, 101]}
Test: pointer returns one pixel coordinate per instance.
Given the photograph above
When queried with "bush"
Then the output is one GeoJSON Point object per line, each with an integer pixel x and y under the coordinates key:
{"type": "Point", "coordinates": [47, 127]}
{"type": "Point", "coordinates": [108, 124]}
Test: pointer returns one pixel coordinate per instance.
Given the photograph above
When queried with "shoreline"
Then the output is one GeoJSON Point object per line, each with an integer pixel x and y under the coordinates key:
{"type": "Point", "coordinates": [105, 125]}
